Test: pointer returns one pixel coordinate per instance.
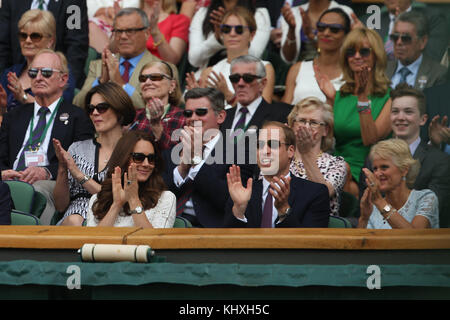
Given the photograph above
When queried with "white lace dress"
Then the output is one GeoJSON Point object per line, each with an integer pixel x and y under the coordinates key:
{"type": "Point", "coordinates": [420, 202]}
{"type": "Point", "coordinates": [160, 216]}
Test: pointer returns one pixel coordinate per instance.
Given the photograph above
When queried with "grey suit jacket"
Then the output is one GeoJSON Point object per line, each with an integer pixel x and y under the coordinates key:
{"type": "Point", "coordinates": [95, 70]}
{"type": "Point", "coordinates": [434, 72]}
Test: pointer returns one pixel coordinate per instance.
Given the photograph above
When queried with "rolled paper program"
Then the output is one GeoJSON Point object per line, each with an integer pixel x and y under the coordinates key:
{"type": "Point", "coordinates": [115, 252]}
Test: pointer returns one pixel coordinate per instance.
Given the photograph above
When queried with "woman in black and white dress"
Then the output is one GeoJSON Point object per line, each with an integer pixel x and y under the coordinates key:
{"type": "Point", "coordinates": [83, 167]}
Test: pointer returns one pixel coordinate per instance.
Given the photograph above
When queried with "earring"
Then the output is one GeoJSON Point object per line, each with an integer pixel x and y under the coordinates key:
{"type": "Point", "coordinates": [404, 178]}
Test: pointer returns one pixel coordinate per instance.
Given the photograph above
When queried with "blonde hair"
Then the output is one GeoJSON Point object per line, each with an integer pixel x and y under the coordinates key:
{"type": "Point", "coordinates": [397, 151]}
{"type": "Point", "coordinates": [354, 39]}
{"type": "Point", "coordinates": [62, 59]}
{"type": "Point", "coordinates": [42, 21]}
{"type": "Point", "coordinates": [243, 14]}
{"type": "Point", "coordinates": [310, 104]}
{"type": "Point", "coordinates": [168, 6]}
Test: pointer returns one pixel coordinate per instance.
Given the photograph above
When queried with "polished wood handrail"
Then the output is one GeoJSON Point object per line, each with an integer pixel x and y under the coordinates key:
{"type": "Point", "coordinates": [51, 237]}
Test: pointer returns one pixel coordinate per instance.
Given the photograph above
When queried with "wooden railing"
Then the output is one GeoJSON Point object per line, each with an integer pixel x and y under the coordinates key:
{"type": "Point", "coordinates": [51, 237]}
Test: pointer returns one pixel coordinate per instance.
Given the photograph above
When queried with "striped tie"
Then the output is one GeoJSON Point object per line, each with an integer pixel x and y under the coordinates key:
{"type": "Point", "coordinates": [41, 4]}
{"type": "Point", "coordinates": [240, 125]}
{"type": "Point", "coordinates": [37, 134]}
{"type": "Point", "coordinates": [404, 73]}
{"type": "Point", "coordinates": [185, 196]}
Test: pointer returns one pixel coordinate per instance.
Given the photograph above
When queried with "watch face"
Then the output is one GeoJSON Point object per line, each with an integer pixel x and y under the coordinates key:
{"type": "Point", "coordinates": [137, 210]}
{"type": "Point", "coordinates": [387, 208]}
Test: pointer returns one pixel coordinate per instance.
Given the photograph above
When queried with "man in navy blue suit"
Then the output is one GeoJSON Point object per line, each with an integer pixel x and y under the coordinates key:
{"type": "Point", "coordinates": [277, 199]}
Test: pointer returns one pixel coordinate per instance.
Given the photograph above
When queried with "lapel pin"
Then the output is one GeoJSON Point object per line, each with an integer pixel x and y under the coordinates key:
{"type": "Point", "coordinates": [64, 117]}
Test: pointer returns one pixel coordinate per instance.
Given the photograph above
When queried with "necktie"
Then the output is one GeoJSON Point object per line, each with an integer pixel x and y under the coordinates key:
{"type": "Point", "coordinates": [37, 134]}
{"type": "Point", "coordinates": [185, 195]}
{"type": "Point", "coordinates": [266, 221]}
{"type": "Point", "coordinates": [41, 4]}
{"type": "Point", "coordinates": [404, 72]}
{"type": "Point", "coordinates": [126, 73]}
{"type": "Point", "coordinates": [241, 122]}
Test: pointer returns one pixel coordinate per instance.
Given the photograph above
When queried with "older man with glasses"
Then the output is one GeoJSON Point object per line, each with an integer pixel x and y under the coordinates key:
{"type": "Point", "coordinates": [130, 33]}
{"type": "Point", "coordinates": [412, 65]}
{"type": "Point", "coordinates": [26, 151]}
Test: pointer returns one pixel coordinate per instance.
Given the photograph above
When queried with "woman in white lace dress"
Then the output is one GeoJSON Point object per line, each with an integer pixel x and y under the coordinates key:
{"type": "Point", "coordinates": [394, 172]}
{"type": "Point", "coordinates": [133, 193]}
{"type": "Point", "coordinates": [312, 122]}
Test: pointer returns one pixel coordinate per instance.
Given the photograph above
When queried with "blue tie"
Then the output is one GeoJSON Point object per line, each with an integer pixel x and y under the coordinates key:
{"type": "Point", "coordinates": [37, 134]}
{"type": "Point", "coordinates": [404, 73]}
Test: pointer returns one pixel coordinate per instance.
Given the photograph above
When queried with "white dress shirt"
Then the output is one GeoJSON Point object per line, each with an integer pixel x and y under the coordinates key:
{"type": "Point", "coordinates": [35, 4]}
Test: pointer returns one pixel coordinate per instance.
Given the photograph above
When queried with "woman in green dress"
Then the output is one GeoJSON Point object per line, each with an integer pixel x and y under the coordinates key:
{"type": "Point", "coordinates": [362, 105]}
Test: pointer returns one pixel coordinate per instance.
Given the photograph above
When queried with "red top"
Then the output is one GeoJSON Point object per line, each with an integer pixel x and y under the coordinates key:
{"type": "Point", "coordinates": [175, 25]}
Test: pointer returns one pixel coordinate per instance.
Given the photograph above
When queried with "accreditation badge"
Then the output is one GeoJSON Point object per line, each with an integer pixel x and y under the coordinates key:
{"type": "Point", "coordinates": [36, 158]}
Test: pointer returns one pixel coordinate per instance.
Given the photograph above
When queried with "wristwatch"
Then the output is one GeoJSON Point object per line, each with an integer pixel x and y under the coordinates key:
{"type": "Point", "coordinates": [285, 214]}
{"type": "Point", "coordinates": [84, 180]}
{"type": "Point", "coordinates": [25, 97]}
{"type": "Point", "coordinates": [386, 209]}
{"type": "Point", "coordinates": [137, 210]}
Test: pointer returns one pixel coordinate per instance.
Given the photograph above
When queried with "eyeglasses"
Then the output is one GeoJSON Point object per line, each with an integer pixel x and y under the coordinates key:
{"type": "Point", "coordinates": [139, 157]}
{"type": "Point", "coordinates": [35, 36]}
{"type": "Point", "coordinates": [199, 111]}
{"type": "Point", "coordinates": [129, 32]}
{"type": "Point", "coordinates": [102, 107]}
{"type": "Point", "coordinates": [153, 77]}
{"type": "Point", "coordinates": [406, 38]}
{"type": "Point", "coordinates": [226, 28]}
{"type": "Point", "coordinates": [46, 72]}
{"type": "Point", "coordinates": [272, 144]}
{"type": "Point", "coordinates": [312, 123]}
{"type": "Point", "coordinates": [363, 52]}
{"type": "Point", "coordinates": [334, 27]}
{"type": "Point", "coordinates": [247, 77]}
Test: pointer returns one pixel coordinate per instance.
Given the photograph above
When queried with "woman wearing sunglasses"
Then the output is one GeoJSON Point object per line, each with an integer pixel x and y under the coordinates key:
{"type": "Point", "coordinates": [301, 81]}
{"type": "Point", "coordinates": [312, 121]}
{"type": "Point", "coordinates": [204, 32]}
{"type": "Point", "coordinates": [133, 193]}
{"type": "Point", "coordinates": [83, 167]}
{"type": "Point", "coordinates": [362, 105]}
{"type": "Point", "coordinates": [37, 31]}
{"type": "Point", "coordinates": [161, 92]}
{"type": "Point", "coordinates": [237, 30]}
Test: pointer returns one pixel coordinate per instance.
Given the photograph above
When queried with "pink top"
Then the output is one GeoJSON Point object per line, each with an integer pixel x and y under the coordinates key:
{"type": "Point", "coordinates": [175, 25]}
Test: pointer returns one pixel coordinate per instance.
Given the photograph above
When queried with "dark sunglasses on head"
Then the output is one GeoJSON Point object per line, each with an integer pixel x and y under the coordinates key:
{"type": "Point", "coordinates": [272, 144]}
{"type": "Point", "coordinates": [406, 38]}
{"type": "Point", "coordinates": [363, 52]}
{"type": "Point", "coordinates": [247, 77]}
{"type": "Point", "coordinates": [139, 157]}
{"type": "Point", "coordinates": [153, 77]}
{"type": "Point", "coordinates": [35, 36]}
{"type": "Point", "coordinates": [101, 107]}
{"type": "Point", "coordinates": [334, 27]}
{"type": "Point", "coordinates": [199, 111]}
{"type": "Point", "coordinates": [46, 72]}
{"type": "Point", "coordinates": [226, 28]}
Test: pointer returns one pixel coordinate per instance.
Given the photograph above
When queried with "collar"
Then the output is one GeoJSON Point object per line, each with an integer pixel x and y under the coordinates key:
{"type": "Point", "coordinates": [134, 61]}
{"type": "Point", "coordinates": [251, 107]}
{"type": "Point", "coordinates": [413, 146]}
{"type": "Point", "coordinates": [51, 107]}
{"type": "Point", "coordinates": [211, 143]}
{"type": "Point", "coordinates": [413, 67]}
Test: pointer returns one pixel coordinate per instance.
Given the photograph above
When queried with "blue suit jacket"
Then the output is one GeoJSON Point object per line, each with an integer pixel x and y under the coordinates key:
{"type": "Point", "coordinates": [309, 201]}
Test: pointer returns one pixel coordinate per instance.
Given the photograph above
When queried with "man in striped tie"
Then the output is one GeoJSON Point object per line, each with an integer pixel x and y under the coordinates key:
{"type": "Point", "coordinates": [26, 133]}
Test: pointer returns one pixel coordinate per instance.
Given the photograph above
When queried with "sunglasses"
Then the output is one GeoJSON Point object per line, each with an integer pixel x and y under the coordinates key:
{"type": "Point", "coordinates": [139, 157]}
{"type": "Point", "coordinates": [406, 38]}
{"type": "Point", "coordinates": [334, 27]}
{"type": "Point", "coordinates": [363, 52]}
{"type": "Point", "coordinates": [35, 36]}
{"type": "Point", "coordinates": [272, 144]}
{"type": "Point", "coordinates": [46, 72]}
{"type": "Point", "coordinates": [226, 28]}
{"type": "Point", "coordinates": [199, 111]}
{"type": "Point", "coordinates": [247, 77]}
{"type": "Point", "coordinates": [101, 107]}
{"type": "Point", "coordinates": [153, 76]}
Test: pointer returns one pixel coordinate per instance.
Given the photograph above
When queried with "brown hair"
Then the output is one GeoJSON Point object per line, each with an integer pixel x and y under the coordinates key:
{"type": "Point", "coordinates": [354, 39]}
{"type": "Point", "coordinates": [405, 90]}
{"type": "Point", "coordinates": [149, 191]}
{"type": "Point", "coordinates": [243, 14]}
{"type": "Point", "coordinates": [117, 98]}
{"type": "Point", "coordinates": [288, 132]}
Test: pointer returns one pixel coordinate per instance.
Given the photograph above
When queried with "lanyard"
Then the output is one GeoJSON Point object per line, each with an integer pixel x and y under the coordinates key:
{"type": "Point", "coordinates": [30, 140]}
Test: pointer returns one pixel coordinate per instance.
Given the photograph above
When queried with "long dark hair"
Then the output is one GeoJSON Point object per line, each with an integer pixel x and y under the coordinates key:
{"type": "Point", "coordinates": [149, 191]}
{"type": "Point", "coordinates": [215, 4]}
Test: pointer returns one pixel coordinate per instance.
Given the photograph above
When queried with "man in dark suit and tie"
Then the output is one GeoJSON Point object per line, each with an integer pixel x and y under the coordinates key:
{"type": "Point", "coordinates": [72, 34]}
{"type": "Point", "coordinates": [412, 65]}
{"type": "Point", "coordinates": [130, 32]}
{"type": "Point", "coordinates": [26, 133]}
{"type": "Point", "coordinates": [277, 199]}
{"type": "Point", "coordinates": [408, 114]}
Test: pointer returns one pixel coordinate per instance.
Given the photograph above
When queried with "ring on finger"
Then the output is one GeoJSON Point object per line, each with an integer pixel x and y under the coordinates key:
{"type": "Point", "coordinates": [129, 182]}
